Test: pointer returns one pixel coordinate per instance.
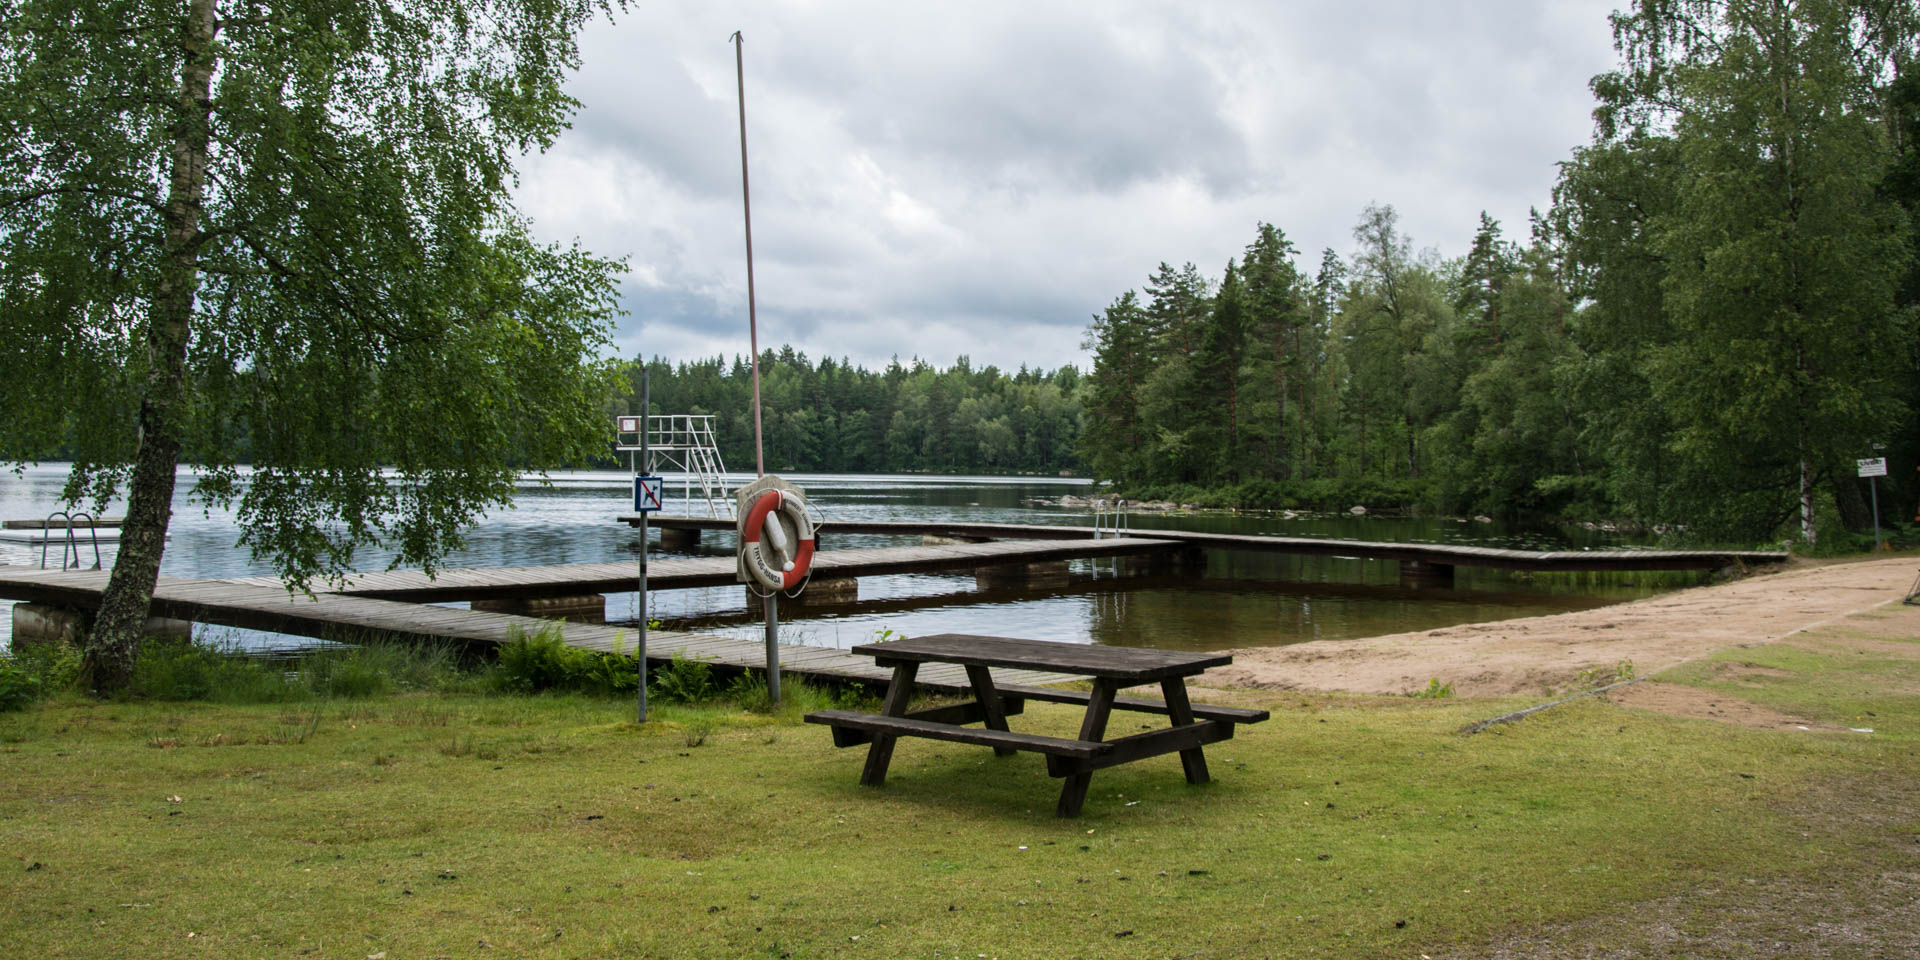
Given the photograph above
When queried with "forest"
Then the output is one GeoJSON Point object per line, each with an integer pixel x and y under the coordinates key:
{"type": "Point", "coordinates": [1708, 327]}
{"type": "Point", "coordinates": [1704, 329]}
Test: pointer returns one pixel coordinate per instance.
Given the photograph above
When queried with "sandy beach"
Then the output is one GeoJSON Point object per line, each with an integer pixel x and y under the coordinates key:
{"type": "Point", "coordinates": [1533, 655]}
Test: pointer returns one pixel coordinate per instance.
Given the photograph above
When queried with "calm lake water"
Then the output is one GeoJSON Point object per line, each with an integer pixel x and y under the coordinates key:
{"type": "Point", "coordinates": [1242, 599]}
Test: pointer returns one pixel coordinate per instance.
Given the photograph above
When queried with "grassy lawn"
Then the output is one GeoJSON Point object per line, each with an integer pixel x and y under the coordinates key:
{"type": "Point", "coordinates": [443, 825]}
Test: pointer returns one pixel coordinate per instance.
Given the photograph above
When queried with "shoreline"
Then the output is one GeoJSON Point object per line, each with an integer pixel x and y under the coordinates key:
{"type": "Point", "coordinates": [1536, 655]}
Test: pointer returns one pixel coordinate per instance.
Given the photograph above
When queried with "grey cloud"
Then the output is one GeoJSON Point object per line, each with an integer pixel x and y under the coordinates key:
{"type": "Point", "coordinates": [638, 98]}
{"type": "Point", "coordinates": [980, 178]}
{"type": "Point", "coordinates": [1040, 101]}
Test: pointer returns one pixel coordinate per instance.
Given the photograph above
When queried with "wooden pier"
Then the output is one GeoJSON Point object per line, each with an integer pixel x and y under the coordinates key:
{"type": "Point", "coordinates": [394, 602]}
{"type": "Point", "coordinates": [680, 573]}
{"type": "Point", "coordinates": [1433, 554]}
{"type": "Point", "coordinates": [252, 605]}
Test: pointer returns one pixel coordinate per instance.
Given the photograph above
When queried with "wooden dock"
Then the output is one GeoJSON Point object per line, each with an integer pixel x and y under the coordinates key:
{"type": "Point", "coordinates": [251, 605]}
{"type": "Point", "coordinates": [1438, 554]}
{"type": "Point", "coordinates": [679, 573]}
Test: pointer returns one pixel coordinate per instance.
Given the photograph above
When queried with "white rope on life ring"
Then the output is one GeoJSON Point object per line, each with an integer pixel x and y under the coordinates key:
{"type": "Point", "coordinates": [771, 562]}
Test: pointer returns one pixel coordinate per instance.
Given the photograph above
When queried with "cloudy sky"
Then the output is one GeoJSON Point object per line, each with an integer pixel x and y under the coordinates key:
{"type": "Point", "coordinates": [979, 178]}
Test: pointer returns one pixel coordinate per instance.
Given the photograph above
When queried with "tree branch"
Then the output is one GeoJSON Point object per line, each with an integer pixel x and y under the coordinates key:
{"type": "Point", "coordinates": [11, 200]}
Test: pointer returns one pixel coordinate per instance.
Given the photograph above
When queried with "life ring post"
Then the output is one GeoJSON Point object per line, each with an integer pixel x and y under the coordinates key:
{"type": "Point", "coordinates": [776, 546]}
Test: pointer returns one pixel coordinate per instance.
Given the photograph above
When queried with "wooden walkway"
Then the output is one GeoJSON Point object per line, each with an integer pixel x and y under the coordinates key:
{"type": "Point", "coordinates": [679, 573]}
{"type": "Point", "coordinates": [1432, 553]}
{"type": "Point", "coordinates": [251, 605]}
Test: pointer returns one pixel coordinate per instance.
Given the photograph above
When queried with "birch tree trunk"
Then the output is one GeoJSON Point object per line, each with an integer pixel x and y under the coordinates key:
{"type": "Point", "coordinates": [107, 663]}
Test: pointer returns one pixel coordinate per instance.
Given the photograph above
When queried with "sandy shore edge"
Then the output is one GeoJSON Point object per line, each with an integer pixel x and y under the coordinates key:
{"type": "Point", "coordinates": [1531, 655]}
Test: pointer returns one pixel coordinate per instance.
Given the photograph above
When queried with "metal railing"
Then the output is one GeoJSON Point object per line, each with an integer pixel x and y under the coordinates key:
{"type": "Point", "coordinates": [70, 545]}
{"type": "Point", "coordinates": [686, 443]}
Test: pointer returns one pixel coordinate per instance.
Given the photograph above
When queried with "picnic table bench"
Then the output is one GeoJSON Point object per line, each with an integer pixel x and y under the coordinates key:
{"type": "Point", "coordinates": [1074, 760]}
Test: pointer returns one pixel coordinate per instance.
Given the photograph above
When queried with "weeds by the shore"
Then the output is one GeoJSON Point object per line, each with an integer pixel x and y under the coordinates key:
{"type": "Point", "coordinates": [374, 666]}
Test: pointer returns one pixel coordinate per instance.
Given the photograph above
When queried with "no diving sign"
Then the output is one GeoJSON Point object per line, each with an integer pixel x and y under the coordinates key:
{"type": "Point", "coordinates": [647, 492]}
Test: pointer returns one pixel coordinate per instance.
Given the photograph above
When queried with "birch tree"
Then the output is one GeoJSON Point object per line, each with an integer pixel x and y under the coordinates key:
{"type": "Point", "coordinates": [278, 235]}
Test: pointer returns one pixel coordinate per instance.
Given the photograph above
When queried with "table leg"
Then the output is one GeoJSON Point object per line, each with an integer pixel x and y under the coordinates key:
{"type": "Point", "coordinates": [880, 752]}
{"type": "Point", "coordinates": [989, 700]}
{"type": "Point", "coordinates": [1074, 792]}
{"type": "Point", "coordinates": [1174, 691]}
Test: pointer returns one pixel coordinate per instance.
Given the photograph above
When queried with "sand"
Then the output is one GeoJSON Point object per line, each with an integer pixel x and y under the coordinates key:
{"type": "Point", "coordinates": [1532, 655]}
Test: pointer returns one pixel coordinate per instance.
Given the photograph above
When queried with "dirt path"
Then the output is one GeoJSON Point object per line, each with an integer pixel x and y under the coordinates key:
{"type": "Point", "coordinates": [1531, 655]}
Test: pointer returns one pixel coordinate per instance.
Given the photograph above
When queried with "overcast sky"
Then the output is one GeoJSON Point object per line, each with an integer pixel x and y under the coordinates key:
{"type": "Point", "coordinates": [942, 179]}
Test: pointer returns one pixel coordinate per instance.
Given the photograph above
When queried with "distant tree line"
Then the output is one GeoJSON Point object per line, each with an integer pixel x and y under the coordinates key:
{"type": "Point", "coordinates": [834, 416]}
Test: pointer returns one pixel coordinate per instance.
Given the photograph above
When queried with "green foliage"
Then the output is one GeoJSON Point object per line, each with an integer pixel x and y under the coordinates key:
{"type": "Point", "coordinates": [19, 686]}
{"type": "Point", "coordinates": [1594, 677]}
{"type": "Point", "coordinates": [682, 681]}
{"type": "Point", "coordinates": [282, 237]}
{"type": "Point", "coordinates": [353, 673]}
{"type": "Point", "coordinates": [748, 691]}
{"type": "Point", "coordinates": [354, 313]}
{"type": "Point", "coordinates": [838, 417]}
{"type": "Point", "coordinates": [1326, 493]}
{"type": "Point", "coordinates": [1715, 317]}
{"type": "Point", "coordinates": [1436, 690]}
{"type": "Point", "coordinates": [177, 668]}
{"type": "Point", "coordinates": [543, 662]}
{"type": "Point", "coordinates": [55, 666]}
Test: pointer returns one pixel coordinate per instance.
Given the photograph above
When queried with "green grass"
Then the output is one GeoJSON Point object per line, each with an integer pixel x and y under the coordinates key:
{"type": "Point", "coordinates": [1842, 674]}
{"type": "Point", "coordinates": [431, 824]}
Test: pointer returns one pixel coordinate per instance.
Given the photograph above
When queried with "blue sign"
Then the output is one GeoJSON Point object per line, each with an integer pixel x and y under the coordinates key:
{"type": "Point", "coordinates": [647, 493]}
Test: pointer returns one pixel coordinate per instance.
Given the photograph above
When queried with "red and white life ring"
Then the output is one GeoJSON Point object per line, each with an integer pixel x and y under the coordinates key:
{"type": "Point", "coordinates": [770, 560]}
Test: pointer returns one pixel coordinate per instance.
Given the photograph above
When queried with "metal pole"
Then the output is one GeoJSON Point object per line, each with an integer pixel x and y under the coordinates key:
{"type": "Point", "coordinates": [646, 462]}
{"type": "Point", "coordinates": [773, 645]}
{"type": "Point", "coordinates": [746, 208]}
{"type": "Point", "coordinates": [753, 339]}
{"type": "Point", "coordinates": [1873, 484]}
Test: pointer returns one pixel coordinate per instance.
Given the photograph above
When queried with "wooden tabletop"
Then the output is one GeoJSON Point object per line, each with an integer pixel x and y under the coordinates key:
{"type": "Point", "coordinates": [1116, 663]}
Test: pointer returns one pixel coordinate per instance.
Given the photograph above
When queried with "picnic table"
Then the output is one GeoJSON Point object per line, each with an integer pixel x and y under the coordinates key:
{"type": "Point", "coordinates": [1111, 669]}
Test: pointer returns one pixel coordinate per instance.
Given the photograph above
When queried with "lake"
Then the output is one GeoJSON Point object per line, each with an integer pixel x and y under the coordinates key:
{"type": "Point", "coordinates": [1241, 599]}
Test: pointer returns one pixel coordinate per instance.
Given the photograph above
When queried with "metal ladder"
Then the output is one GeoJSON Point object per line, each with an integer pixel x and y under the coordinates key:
{"type": "Point", "coordinates": [704, 462]}
{"type": "Point", "coordinates": [685, 442]}
{"type": "Point", "coordinates": [1114, 517]}
{"type": "Point", "coordinates": [71, 546]}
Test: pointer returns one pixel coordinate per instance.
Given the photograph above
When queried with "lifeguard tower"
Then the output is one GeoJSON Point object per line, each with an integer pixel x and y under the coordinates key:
{"type": "Point", "coordinates": [682, 444]}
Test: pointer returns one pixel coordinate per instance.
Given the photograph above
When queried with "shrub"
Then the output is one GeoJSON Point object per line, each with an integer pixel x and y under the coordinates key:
{"type": "Point", "coordinates": [352, 673]}
{"type": "Point", "coordinates": [19, 687]}
{"type": "Point", "coordinates": [544, 662]}
{"type": "Point", "coordinates": [682, 681]}
{"type": "Point", "coordinates": [180, 669]}
{"type": "Point", "coordinates": [748, 691]}
{"type": "Point", "coordinates": [56, 665]}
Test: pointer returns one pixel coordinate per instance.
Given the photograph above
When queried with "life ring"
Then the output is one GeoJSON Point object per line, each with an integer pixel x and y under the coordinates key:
{"type": "Point", "coordinates": [773, 564]}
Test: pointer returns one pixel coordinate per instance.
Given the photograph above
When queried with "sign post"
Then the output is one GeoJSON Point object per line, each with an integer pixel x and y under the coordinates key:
{"type": "Point", "coordinates": [646, 499]}
{"type": "Point", "coordinates": [1872, 468]}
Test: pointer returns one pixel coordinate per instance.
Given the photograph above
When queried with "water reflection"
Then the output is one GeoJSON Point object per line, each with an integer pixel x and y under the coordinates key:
{"type": "Point", "coordinates": [1240, 599]}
